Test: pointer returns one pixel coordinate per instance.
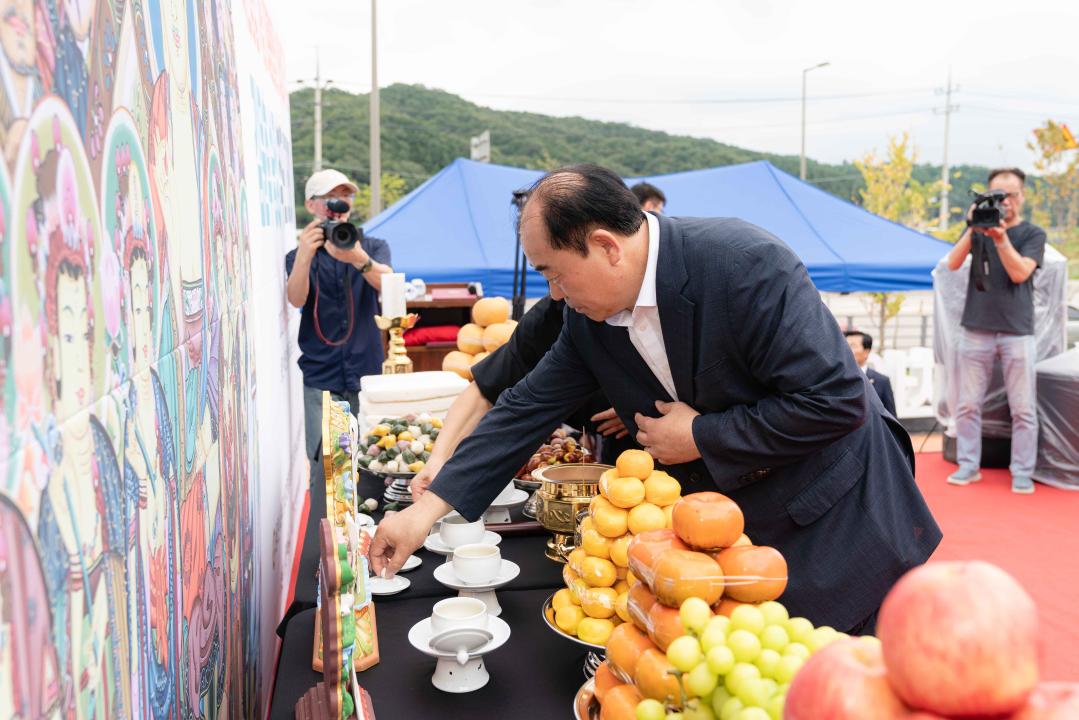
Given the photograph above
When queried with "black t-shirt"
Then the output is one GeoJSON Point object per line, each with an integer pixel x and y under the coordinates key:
{"type": "Point", "coordinates": [1003, 306]}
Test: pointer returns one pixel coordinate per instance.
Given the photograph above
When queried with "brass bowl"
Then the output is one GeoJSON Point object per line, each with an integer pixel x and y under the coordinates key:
{"type": "Point", "coordinates": [565, 490]}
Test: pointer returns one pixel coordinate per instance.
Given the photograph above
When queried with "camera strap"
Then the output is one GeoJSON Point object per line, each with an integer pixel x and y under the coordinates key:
{"type": "Point", "coordinates": [980, 260]}
{"type": "Point", "coordinates": [351, 313]}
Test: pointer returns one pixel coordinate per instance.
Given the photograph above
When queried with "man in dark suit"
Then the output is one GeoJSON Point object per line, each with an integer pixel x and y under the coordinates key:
{"type": "Point", "coordinates": [716, 351]}
{"type": "Point", "coordinates": [861, 344]}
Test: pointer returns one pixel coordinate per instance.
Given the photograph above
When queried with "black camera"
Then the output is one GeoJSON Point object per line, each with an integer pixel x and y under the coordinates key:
{"type": "Point", "coordinates": [342, 234]}
{"type": "Point", "coordinates": [988, 211]}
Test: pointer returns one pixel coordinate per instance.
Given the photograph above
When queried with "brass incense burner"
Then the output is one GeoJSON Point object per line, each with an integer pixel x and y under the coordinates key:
{"type": "Point", "coordinates": [565, 490]}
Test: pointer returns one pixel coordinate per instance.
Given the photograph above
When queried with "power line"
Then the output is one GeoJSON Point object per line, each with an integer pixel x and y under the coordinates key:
{"type": "Point", "coordinates": [702, 101]}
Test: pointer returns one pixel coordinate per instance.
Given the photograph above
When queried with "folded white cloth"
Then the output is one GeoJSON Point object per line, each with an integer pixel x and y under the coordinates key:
{"type": "Point", "coordinates": [398, 409]}
{"type": "Point", "coordinates": [411, 386]}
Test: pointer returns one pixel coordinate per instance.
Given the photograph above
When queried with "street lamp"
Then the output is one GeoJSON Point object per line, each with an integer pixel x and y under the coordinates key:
{"type": "Point", "coordinates": [804, 73]}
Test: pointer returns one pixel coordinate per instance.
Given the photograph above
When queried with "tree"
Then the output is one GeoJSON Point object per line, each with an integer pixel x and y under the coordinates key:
{"type": "Point", "coordinates": [393, 189]}
{"type": "Point", "coordinates": [892, 192]}
{"type": "Point", "coordinates": [1054, 198]}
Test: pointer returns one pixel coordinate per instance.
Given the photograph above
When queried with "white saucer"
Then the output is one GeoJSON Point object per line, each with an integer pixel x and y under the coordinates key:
{"type": "Point", "coordinates": [445, 575]}
{"type": "Point", "coordinates": [517, 497]}
{"type": "Point", "coordinates": [434, 542]}
{"type": "Point", "coordinates": [413, 562]}
{"type": "Point", "coordinates": [388, 586]}
{"type": "Point", "coordinates": [420, 637]}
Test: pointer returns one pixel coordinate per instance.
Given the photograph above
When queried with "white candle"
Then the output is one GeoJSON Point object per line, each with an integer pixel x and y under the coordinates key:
{"type": "Point", "coordinates": [393, 295]}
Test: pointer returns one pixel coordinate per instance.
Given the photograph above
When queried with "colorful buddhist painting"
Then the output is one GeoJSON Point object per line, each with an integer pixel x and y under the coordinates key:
{"type": "Point", "coordinates": [130, 574]}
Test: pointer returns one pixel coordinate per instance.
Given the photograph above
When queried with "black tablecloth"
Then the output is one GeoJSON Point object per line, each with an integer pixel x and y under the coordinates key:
{"type": "Point", "coordinates": [534, 675]}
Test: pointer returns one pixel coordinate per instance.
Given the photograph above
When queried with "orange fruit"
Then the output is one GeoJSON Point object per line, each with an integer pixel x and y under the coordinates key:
{"type": "Point", "coordinates": [631, 579]}
{"type": "Point", "coordinates": [575, 557]}
{"type": "Point", "coordinates": [665, 624]}
{"type": "Point", "coordinates": [598, 572]}
{"type": "Point", "coordinates": [662, 489]}
{"type": "Point", "coordinates": [656, 677]}
{"type": "Point", "coordinates": [743, 539]}
{"type": "Point", "coordinates": [646, 547]}
{"type": "Point", "coordinates": [639, 604]}
{"type": "Point", "coordinates": [605, 680]}
{"type": "Point", "coordinates": [599, 602]}
{"type": "Point", "coordinates": [605, 480]}
{"type": "Point", "coordinates": [635, 463]}
{"type": "Point", "coordinates": [568, 618]}
{"type": "Point", "coordinates": [585, 524]}
{"type": "Point", "coordinates": [620, 586]}
{"type": "Point", "coordinates": [681, 574]}
{"type": "Point", "coordinates": [595, 630]}
{"type": "Point", "coordinates": [645, 517]}
{"type": "Point", "coordinates": [620, 703]}
{"type": "Point", "coordinates": [621, 607]}
{"type": "Point", "coordinates": [562, 598]}
{"type": "Point", "coordinates": [668, 516]}
{"type": "Point", "coordinates": [490, 310]}
{"type": "Point", "coordinates": [708, 520]}
{"type": "Point", "coordinates": [624, 649]}
{"type": "Point", "coordinates": [625, 492]}
{"type": "Point", "coordinates": [619, 549]}
{"type": "Point", "coordinates": [611, 521]}
{"type": "Point", "coordinates": [597, 502]}
{"type": "Point", "coordinates": [595, 544]}
{"type": "Point", "coordinates": [755, 573]}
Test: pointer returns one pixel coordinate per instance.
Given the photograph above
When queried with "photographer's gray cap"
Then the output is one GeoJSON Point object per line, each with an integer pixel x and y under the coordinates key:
{"type": "Point", "coordinates": [324, 181]}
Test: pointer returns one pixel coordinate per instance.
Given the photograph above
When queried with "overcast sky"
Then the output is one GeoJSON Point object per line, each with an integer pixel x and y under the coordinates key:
{"type": "Point", "coordinates": [731, 70]}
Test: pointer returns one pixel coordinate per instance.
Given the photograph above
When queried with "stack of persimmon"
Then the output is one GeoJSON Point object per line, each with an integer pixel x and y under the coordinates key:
{"type": "Point", "coordinates": [633, 498]}
{"type": "Point", "coordinates": [705, 637]}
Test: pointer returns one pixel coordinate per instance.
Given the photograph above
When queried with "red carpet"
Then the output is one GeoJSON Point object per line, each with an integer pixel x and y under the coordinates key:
{"type": "Point", "coordinates": [1033, 537]}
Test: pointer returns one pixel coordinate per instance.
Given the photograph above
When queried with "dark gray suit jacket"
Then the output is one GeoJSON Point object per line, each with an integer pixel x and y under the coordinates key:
{"type": "Point", "coordinates": [883, 386]}
{"type": "Point", "coordinates": [789, 428]}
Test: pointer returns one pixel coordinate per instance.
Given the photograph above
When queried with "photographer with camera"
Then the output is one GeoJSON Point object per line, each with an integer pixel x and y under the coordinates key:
{"type": "Point", "coordinates": [998, 321]}
{"type": "Point", "coordinates": [334, 275]}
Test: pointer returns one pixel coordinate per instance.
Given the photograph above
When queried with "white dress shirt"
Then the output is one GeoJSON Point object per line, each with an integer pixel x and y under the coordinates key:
{"type": "Point", "coordinates": [645, 331]}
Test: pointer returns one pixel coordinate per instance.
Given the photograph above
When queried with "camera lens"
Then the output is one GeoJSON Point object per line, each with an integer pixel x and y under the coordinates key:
{"type": "Point", "coordinates": [342, 234]}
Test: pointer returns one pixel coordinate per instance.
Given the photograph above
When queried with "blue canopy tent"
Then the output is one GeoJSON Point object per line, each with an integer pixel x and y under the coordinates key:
{"type": "Point", "coordinates": [458, 226]}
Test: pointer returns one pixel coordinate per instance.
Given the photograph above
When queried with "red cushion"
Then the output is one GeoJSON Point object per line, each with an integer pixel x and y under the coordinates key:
{"type": "Point", "coordinates": [434, 333]}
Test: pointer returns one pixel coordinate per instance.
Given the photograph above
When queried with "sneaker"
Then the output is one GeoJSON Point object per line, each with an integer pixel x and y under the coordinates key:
{"type": "Point", "coordinates": [1022, 485]}
{"type": "Point", "coordinates": [964, 477]}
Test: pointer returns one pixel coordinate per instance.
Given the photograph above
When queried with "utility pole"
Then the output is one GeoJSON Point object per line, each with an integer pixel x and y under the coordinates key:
{"type": "Point", "coordinates": [376, 150]}
{"type": "Point", "coordinates": [317, 164]}
{"type": "Point", "coordinates": [804, 73]}
{"type": "Point", "coordinates": [945, 180]}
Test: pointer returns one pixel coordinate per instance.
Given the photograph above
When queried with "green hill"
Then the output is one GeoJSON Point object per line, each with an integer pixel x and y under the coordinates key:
{"type": "Point", "coordinates": [423, 130]}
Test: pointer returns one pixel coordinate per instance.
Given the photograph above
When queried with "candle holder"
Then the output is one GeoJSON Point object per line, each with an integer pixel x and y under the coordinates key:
{"type": "Point", "coordinates": [397, 360]}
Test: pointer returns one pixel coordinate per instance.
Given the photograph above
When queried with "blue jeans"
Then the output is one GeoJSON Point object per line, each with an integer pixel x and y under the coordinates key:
{"type": "Point", "coordinates": [977, 350]}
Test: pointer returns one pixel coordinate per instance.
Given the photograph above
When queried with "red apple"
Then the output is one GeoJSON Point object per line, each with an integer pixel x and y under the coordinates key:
{"type": "Point", "coordinates": [1051, 701]}
{"type": "Point", "coordinates": [844, 681]}
{"type": "Point", "coordinates": [960, 639]}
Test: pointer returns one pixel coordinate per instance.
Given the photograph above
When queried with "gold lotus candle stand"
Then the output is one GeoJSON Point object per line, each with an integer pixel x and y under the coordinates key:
{"type": "Point", "coordinates": [397, 359]}
{"type": "Point", "coordinates": [565, 490]}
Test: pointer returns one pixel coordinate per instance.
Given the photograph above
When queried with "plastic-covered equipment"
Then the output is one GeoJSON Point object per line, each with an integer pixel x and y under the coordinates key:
{"type": "Point", "coordinates": [1058, 421]}
{"type": "Point", "coordinates": [1050, 317]}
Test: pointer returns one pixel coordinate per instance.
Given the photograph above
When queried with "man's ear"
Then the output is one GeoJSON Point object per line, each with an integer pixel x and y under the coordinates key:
{"type": "Point", "coordinates": [311, 206]}
{"type": "Point", "coordinates": [604, 242]}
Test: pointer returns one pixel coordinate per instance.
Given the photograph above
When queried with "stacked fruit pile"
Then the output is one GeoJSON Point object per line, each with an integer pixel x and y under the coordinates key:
{"type": "Point", "coordinates": [489, 330]}
{"type": "Point", "coordinates": [560, 448]}
{"type": "Point", "coordinates": [707, 638]}
{"type": "Point", "coordinates": [634, 498]}
{"type": "Point", "coordinates": [957, 640]}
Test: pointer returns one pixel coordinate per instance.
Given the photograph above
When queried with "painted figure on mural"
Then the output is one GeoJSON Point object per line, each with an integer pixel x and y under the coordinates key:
{"type": "Point", "coordinates": [29, 680]}
{"type": "Point", "coordinates": [65, 42]}
{"type": "Point", "coordinates": [149, 458]}
{"type": "Point", "coordinates": [84, 513]}
{"type": "Point", "coordinates": [19, 72]}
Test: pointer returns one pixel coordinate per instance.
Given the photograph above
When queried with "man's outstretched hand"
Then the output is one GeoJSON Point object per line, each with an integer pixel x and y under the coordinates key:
{"type": "Point", "coordinates": [401, 534]}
